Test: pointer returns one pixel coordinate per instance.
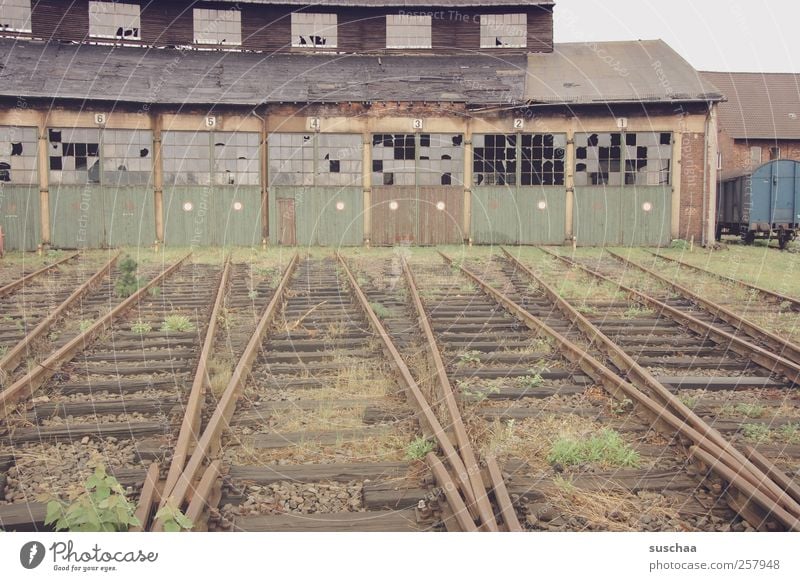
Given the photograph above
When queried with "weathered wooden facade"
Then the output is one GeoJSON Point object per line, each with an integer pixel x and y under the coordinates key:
{"type": "Point", "coordinates": [479, 129]}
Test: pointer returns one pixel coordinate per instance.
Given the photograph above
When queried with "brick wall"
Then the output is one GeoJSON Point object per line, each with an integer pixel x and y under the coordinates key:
{"type": "Point", "coordinates": [736, 152]}
{"type": "Point", "coordinates": [692, 171]}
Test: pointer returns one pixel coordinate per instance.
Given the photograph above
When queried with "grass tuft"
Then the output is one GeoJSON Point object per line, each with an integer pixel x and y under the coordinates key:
{"type": "Point", "coordinates": [607, 448]}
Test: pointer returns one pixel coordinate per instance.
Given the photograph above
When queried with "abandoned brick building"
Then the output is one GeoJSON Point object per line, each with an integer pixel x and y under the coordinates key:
{"type": "Point", "coordinates": [343, 123]}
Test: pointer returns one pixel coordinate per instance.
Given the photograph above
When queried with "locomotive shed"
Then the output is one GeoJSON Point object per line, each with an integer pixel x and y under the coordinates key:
{"type": "Point", "coordinates": [397, 268]}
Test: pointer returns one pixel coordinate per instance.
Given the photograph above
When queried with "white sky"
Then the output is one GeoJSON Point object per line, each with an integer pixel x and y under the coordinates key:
{"type": "Point", "coordinates": [713, 35]}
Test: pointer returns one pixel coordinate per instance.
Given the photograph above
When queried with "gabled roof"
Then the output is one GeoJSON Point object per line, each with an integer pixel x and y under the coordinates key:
{"type": "Point", "coordinates": [149, 75]}
{"type": "Point", "coordinates": [759, 105]}
{"type": "Point", "coordinates": [400, 3]}
{"type": "Point", "coordinates": [622, 71]}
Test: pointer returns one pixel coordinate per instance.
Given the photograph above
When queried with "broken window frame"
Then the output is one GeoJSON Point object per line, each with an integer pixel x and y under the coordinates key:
{"type": "Point", "coordinates": [122, 15]}
{"type": "Point", "coordinates": [619, 161]}
{"type": "Point", "coordinates": [66, 147]}
{"type": "Point", "coordinates": [236, 158]}
{"type": "Point", "coordinates": [322, 25]}
{"type": "Point", "coordinates": [400, 29]}
{"type": "Point", "coordinates": [22, 8]}
{"type": "Point", "coordinates": [515, 151]}
{"type": "Point", "coordinates": [299, 159]}
{"type": "Point", "coordinates": [124, 147]}
{"type": "Point", "coordinates": [410, 148]}
{"type": "Point", "coordinates": [21, 161]}
{"type": "Point", "coordinates": [511, 30]}
{"type": "Point", "coordinates": [215, 23]}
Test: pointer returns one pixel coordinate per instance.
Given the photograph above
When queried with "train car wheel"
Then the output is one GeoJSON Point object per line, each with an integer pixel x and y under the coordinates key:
{"type": "Point", "coordinates": [749, 238]}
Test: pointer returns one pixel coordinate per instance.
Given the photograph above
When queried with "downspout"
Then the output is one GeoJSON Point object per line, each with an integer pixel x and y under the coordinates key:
{"type": "Point", "coordinates": [704, 222]}
{"type": "Point", "coordinates": [263, 180]}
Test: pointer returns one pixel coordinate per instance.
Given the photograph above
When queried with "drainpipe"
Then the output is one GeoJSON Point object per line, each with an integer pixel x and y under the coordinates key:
{"type": "Point", "coordinates": [264, 164]}
{"type": "Point", "coordinates": [712, 173]}
{"type": "Point", "coordinates": [707, 144]}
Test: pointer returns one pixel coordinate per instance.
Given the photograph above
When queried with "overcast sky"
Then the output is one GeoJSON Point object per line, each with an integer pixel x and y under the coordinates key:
{"type": "Point", "coordinates": [713, 35]}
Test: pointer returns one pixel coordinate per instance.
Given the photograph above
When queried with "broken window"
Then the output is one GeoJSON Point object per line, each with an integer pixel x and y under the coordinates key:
{"type": "Point", "coordinates": [314, 30]}
{"type": "Point", "coordinates": [393, 159]}
{"type": "Point", "coordinates": [408, 159]}
{"type": "Point", "coordinates": [617, 159]}
{"type": "Point", "coordinates": [127, 157]}
{"type": "Point", "coordinates": [504, 30]}
{"type": "Point", "coordinates": [324, 159]}
{"type": "Point", "coordinates": [15, 16]}
{"type": "Point", "coordinates": [186, 158]}
{"type": "Point", "coordinates": [441, 160]}
{"type": "Point", "coordinates": [408, 31]}
{"type": "Point", "coordinates": [494, 160]}
{"type": "Point", "coordinates": [217, 26]}
{"type": "Point", "coordinates": [18, 155]}
{"type": "Point", "coordinates": [74, 156]}
{"type": "Point", "coordinates": [114, 20]}
{"type": "Point", "coordinates": [543, 157]}
{"type": "Point", "coordinates": [236, 158]}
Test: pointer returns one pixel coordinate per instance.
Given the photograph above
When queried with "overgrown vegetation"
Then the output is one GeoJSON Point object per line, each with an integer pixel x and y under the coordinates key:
{"type": "Point", "coordinates": [756, 432]}
{"type": "Point", "coordinates": [173, 519]}
{"type": "Point", "coordinates": [141, 327]}
{"type": "Point", "coordinates": [84, 325]}
{"type": "Point", "coordinates": [127, 281]}
{"type": "Point", "coordinates": [607, 448]}
{"type": "Point", "coordinates": [177, 324]}
{"type": "Point", "coordinates": [380, 311]}
{"type": "Point", "coordinates": [418, 448]}
{"type": "Point", "coordinates": [102, 507]}
{"type": "Point", "coordinates": [469, 357]}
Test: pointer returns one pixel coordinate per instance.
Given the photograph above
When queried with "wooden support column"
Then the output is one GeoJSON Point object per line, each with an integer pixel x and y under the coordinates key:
{"type": "Point", "coordinates": [264, 180]}
{"type": "Point", "coordinates": [677, 152]}
{"type": "Point", "coordinates": [467, 225]}
{"type": "Point", "coordinates": [44, 179]}
{"type": "Point", "coordinates": [569, 182]}
{"type": "Point", "coordinates": [158, 179]}
{"type": "Point", "coordinates": [711, 189]}
{"type": "Point", "coordinates": [367, 185]}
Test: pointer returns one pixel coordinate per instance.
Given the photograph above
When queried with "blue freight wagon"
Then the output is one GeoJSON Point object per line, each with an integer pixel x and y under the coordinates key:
{"type": "Point", "coordinates": [762, 204]}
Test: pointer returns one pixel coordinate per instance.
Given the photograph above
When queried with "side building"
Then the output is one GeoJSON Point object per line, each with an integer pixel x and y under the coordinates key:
{"type": "Point", "coordinates": [343, 123]}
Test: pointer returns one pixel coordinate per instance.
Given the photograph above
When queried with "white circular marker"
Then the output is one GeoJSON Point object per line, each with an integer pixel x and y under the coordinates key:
{"type": "Point", "coordinates": [440, 206]}
{"type": "Point", "coordinates": [237, 206]}
{"type": "Point", "coordinates": [647, 206]}
{"type": "Point", "coordinates": [542, 205]}
{"type": "Point", "coordinates": [393, 205]}
{"type": "Point", "coordinates": [340, 206]}
{"type": "Point", "coordinates": [188, 206]}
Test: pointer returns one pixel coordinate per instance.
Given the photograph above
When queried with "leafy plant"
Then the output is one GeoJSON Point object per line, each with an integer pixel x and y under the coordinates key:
{"type": "Point", "coordinates": [381, 311]}
{"type": "Point", "coordinates": [478, 394]}
{"type": "Point", "coordinates": [756, 432]}
{"type": "Point", "coordinates": [679, 245]}
{"type": "Point", "coordinates": [468, 357]}
{"type": "Point", "coordinates": [173, 519]}
{"type": "Point", "coordinates": [418, 448]}
{"type": "Point", "coordinates": [791, 433]}
{"type": "Point", "coordinates": [141, 327]}
{"type": "Point", "coordinates": [177, 324]}
{"type": "Point", "coordinates": [532, 381]}
{"type": "Point", "coordinates": [605, 448]}
{"type": "Point", "coordinates": [154, 291]}
{"type": "Point", "coordinates": [636, 311]}
{"type": "Point", "coordinates": [3, 350]}
{"type": "Point", "coordinates": [622, 407]}
{"type": "Point", "coordinates": [102, 507]}
{"type": "Point", "coordinates": [785, 306]}
{"type": "Point", "coordinates": [84, 325]}
{"type": "Point", "coordinates": [127, 283]}
{"type": "Point", "coordinates": [586, 309]}
{"type": "Point", "coordinates": [689, 400]}
{"type": "Point", "coordinates": [252, 295]}
{"type": "Point", "coordinates": [751, 410]}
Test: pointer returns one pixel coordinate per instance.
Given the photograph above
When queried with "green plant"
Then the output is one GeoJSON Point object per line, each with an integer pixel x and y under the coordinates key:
{"type": "Point", "coordinates": [533, 380]}
{"type": "Point", "coordinates": [751, 410]}
{"type": "Point", "coordinates": [154, 291]}
{"type": "Point", "coordinates": [790, 432]}
{"type": "Point", "coordinates": [252, 295]}
{"type": "Point", "coordinates": [689, 400]}
{"type": "Point", "coordinates": [3, 350]}
{"type": "Point", "coordinates": [84, 325]}
{"type": "Point", "coordinates": [636, 311]}
{"type": "Point", "coordinates": [679, 245]}
{"type": "Point", "coordinates": [141, 327]}
{"type": "Point", "coordinates": [467, 357]}
{"type": "Point", "coordinates": [173, 519]}
{"type": "Point", "coordinates": [127, 283]}
{"type": "Point", "coordinates": [102, 507]}
{"type": "Point", "coordinates": [478, 393]}
{"type": "Point", "coordinates": [785, 306]}
{"type": "Point", "coordinates": [381, 311]}
{"type": "Point", "coordinates": [622, 407]}
{"type": "Point", "coordinates": [177, 324]}
{"type": "Point", "coordinates": [756, 432]}
{"type": "Point", "coordinates": [564, 485]}
{"type": "Point", "coordinates": [418, 448]}
{"type": "Point", "coordinates": [605, 448]}
{"type": "Point", "coordinates": [585, 309]}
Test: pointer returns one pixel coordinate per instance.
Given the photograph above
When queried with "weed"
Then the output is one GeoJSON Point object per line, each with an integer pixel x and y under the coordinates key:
{"type": "Point", "coordinates": [252, 295]}
{"type": "Point", "coordinates": [636, 311]}
{"type": "Point", "coordinates": [127, 283]}
{"type": "Point", "coordinates": [785, 306]}
{"type": "Point", "coordinates": [751, 410]}
{"type": "Point", "coordinates": [478, 393]}
{"type": "Point", "coordinates": [381, 311]}
{"type": "Point", "coordinates": [3, 350]}
{"type": "Point", "coordinates": [622, 407]}
{"type": "Point", "coordinates": [585, 309]}
{"type": "Point", "coordinates": [564, 485]}
{"type": "Point", "coordinates": [606, 448]}
{"type": "Point", "coordinates": [689, 400]}
{"type": "Point", "coordinates": [790, 432]}
{"type": "Point", "coordinates": [141, 327]}
{"type": "Point", "coordinates": [418, 448]}
{"type": "Point", "coordinates": [756, 432]}
{"type": "Point", "coordinates": [177, 324]}
{"type": "Point", "coordinates": [533, 380]}
{"type": "Point", "coordinates": [84, 325]}
{"type": "Point", "coordinates": [102, 507]}
{"type": "Point", "coordinates": [154, 291]}
{"type": "Point", "coordinates": [679, 245]}
{"type": "Point", "coordinates": [469, 357]}
{"type": "Point", "coordinates": [173, 519]}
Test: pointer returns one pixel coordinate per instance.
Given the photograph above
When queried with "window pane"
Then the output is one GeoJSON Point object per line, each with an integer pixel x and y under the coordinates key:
{"type": "Point", "coordinates": [114, 20]}
{"type": "Point", "coordinates": [310, 30]}
{"type": "Point", "coordinates": [406, 31]}
{"type": "Point", "coordinates": [217, 26]}
{"type": "Point", "coordinates": [504, 30]}
{"type": "Point", "coordinates": [18, 155]}
{"type": "Point", "coordinates": [15, 15]}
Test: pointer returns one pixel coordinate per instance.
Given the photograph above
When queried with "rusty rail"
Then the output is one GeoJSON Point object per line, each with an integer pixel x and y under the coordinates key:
{"type": "Point", "coordinates": [428, 419]}
{"type": "Point", "coordinates": [12, 286]}
{"type": "Point", "coordinates": [761, 356]}
{"type": "Point", "coordinates": [14, 355]}
{"type": "Point", "coordinates": [786, 349]}
{"type": "Point", "coordinates": [209, 441]}
{"type": "Point", "coordinates": [190, 425]}
{"type": "Point", "coordinates": [27, 385]}
{"type": "Point", "coordinates": [795, 302]}
{"type": "Point", "coordinates": [643, 379]}
{"type": "Point", "coordinates": [621, 389]}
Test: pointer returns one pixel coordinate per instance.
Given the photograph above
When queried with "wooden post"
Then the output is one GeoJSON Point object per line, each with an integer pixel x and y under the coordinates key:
{"type": "Point", "coordinates": [158, 179]}
{"type": "Point", "coordinates": [713, 150]}
{"type": "Point", "coordinates": [467, 225]}
{"type": "Point", "coordinates": [569, 182]}
{"type": "Point", "coordinates": [44, 179]}
{"type": "Point", "coordinates": [677, 152]}
{"type": "Point", "coordinates": [264, 180]}
{"type": "Point", "coordinates": [367, 185]}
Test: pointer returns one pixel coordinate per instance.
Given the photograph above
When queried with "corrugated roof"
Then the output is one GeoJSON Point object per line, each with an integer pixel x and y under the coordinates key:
{"type": "Point", "coordinates": [623, 71]}
{"type": "Point", "coordinates": [399, 3]}
{"type": "Point", "coordinates": [759, 105]}
{"type": "Point", "coordinates": [129, 74]}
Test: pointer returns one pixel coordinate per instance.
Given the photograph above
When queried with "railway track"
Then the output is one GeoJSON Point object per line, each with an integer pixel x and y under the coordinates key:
{"type": "Point", "coordinates": [735, 395]}
{"type": "Point", "coordinates": [117, 396]}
